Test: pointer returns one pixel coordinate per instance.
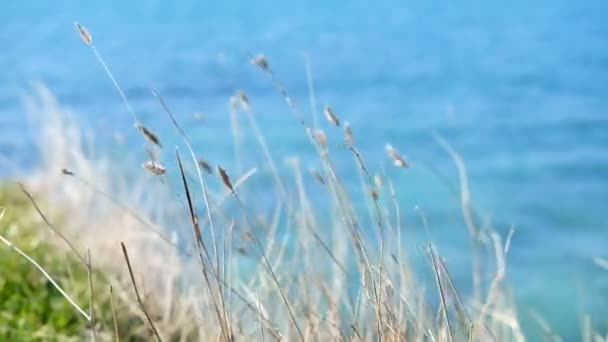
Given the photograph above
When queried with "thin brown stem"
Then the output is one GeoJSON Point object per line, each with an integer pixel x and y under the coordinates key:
{"type": "Point", "coordinates": [92, 295]}
{"type": "Point", "coordinates": [273, 275]}
{"type": "Point", "coordinates": [441, 292]}
{"type": "Point", "coordinates": [50, 225]}
{"type": "Point", "coordinates": [138, 297]}
{"type": "Point", "coordinates": [202, 248]}
{"type": "Point", "coordinates": [114, 319]}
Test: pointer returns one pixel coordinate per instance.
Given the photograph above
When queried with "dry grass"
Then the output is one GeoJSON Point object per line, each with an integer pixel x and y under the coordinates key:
{"type": "Point", "coordinates": [261, 287]}
{"type": "Point", "coordinates": [246, 281]}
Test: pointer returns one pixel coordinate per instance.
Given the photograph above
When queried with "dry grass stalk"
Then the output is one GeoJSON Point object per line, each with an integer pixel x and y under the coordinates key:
{"type": "Point", "coordinates": [260, 316]}
{"type": "Point", "coordinates": [235, 104]}
{"type": "Point", "coordinates": [311, 91]}
{"type": "Point", "coordinates": [442, 293]}
{"type": "Point", "coordinates": [155, 168]}
{"type": "Point", "coordinates": [357, 333]}
{"type": "Point", "coordinates": [331, 116]}
{"type": "Point", "coordinates": [545, 327]}
{"type": "Point", "coordinates": [87, 38]}
{"type": "Point", "coordinates": [152, 153]}
{"type": "Point", "coordinates": [258, 244]}
{"type": "Point", "coordinates": [338, 192]}
{"type": "Point", "coordinates": [114, 319]}
{"type": "Point", "coordinates": [349, 139]}
{"type": "Point", "coordinates": [463, 316]}
{"type": "Point", "coordinates": [398, 159]}
{"type": "Point", "coordinates": [280, 186]}
{"type": "Point", "coordinates": [467, 212]}
{"type": "Point", "coordinates": [92, 296]}
{"type": "Point", "coordinates": [262, 63]}
{"type": "Point", "coordinates": [153, 138]}
{"type": "Point", "coordinates": [84, 33]}
{"type": "Point", "coordinates": [350, 220]}
{"type": "Point", "coordinates": [198, 172]}
{"type": "Point", "coordinates": [138, 297]}
{"type": "Point", "coordinates": [202, 248]}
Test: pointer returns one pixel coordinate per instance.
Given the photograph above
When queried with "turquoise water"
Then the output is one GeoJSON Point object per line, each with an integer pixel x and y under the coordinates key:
{"type": "Point", "coordinates": [520, 89]}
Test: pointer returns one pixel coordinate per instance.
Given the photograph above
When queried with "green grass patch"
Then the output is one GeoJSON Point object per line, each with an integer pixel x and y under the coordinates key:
{"type": "Point", "coordinates": [32, 309]}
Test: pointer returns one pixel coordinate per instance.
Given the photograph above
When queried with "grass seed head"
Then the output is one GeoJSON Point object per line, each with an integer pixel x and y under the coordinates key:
{"type": "Point", "coordinates": [317, 176]}
{"type": "Point", "coordinates": [155, 168]}
{"type": "Point", "coordinates": [398, 159]}
{"type": "Point", "coordinates": [247, 236]}
{"type": "Point", "coordinates": [204, 165]}
{"type": "Point", "coordinates": [400, 163]}
{"type": "Point", "coordinates": [320, 138]}
{"type": "Point", "coordinates": [225, 179]}
{"type": "Point", "coordinates": [149, 135]}
{"type": "Point", "coordinates": [67, 172]}
{"type": "Point", "coordinates": [331, 116]}
{"type": "Point", "coordinates": [84, 33]}
{"type": "Point", "coordinates": [243, 99]}
{"type": "Point", "coordinates": [348, 135]}
{"type": "Point", "coordinates": [261, 62]}
{"type": "Point", "coordinates": [374, 194]}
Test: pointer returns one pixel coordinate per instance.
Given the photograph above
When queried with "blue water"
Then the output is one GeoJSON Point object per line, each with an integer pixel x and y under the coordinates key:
{"type": "Point", "coordinates": [519, 88]}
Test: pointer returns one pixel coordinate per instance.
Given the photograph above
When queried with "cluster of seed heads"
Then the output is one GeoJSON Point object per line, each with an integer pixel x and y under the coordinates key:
{"type": "Point", "coordinates": [398, 159]}
{"type": "Point", "coordinates": [331, 116]}
{"type": "Point", "coordinates": [155, 168]}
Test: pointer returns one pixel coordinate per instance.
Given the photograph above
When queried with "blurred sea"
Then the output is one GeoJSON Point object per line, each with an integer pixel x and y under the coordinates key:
{"type": "Point", "coordinates": [520, 88]}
